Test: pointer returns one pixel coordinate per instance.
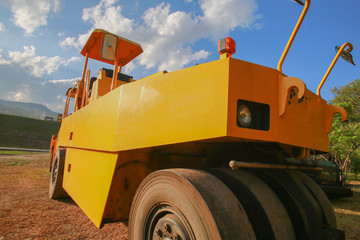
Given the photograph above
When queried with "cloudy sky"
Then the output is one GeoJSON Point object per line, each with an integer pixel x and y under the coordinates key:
{"type": "Point", "coordinates": [41, 40]}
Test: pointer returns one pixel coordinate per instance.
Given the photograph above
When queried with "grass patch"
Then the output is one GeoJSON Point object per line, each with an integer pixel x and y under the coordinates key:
{"type": "Point", "coordinates": [24, 132]}
{"type": "Point", "coordinates": [7, 152]}
{"type": "Point", "coordinates": [351, 177]}
{"type": "Point", "coordinates": [15, 162]}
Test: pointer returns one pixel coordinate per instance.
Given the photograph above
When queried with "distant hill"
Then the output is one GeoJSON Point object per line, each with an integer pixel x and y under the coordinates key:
{"type": "Point", "coordinates": [30, 110]}
{"type": "Point", "coordinates": [26, 132]}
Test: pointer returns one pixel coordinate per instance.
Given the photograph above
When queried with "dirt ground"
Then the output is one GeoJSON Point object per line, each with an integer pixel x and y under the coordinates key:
{"type": "Point", "coordinates": [26, 212]}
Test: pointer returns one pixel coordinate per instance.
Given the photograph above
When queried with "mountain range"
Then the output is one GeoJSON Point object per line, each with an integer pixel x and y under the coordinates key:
{"type": "Point", "coordinates": [30, 110]}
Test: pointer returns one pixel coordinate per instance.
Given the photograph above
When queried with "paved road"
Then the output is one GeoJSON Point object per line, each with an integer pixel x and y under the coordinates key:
{"type": "Point", "coordinates": [24, 149]}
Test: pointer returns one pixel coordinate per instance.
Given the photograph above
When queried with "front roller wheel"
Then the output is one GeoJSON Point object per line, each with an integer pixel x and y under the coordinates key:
{"type": "Point", "coordinates": [57, 171]}
{"type": "Point", "coordinates": [186, 204]}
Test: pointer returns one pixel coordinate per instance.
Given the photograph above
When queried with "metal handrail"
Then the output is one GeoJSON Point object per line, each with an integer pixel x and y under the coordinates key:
{"type": "Point", "coordinates": [292, 37]}
{"type": "Point", "coordinates": [350, 48]}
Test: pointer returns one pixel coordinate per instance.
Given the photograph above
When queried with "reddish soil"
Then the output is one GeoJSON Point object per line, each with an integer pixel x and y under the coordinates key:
{"type": "Point", "coordinates": [26, 212]}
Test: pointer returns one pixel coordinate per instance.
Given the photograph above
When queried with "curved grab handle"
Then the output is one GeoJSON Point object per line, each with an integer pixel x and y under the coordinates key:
{"type": "Point", "coordinates": [285, 84]}
{"type": "Point", "coordinates": [330, 111]}
{"type": "Point", "coordinates": [350, 48]}
{"type": "Point", "coordinates": [292, 37]}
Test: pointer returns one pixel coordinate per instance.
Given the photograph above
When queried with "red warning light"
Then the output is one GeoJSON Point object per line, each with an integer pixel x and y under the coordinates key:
{"type": "Point", "coordinates": [227, 45]}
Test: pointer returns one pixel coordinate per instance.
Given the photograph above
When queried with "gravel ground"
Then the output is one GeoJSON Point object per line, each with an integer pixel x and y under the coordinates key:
{"type": "Point", "coordinates": [26, 212]}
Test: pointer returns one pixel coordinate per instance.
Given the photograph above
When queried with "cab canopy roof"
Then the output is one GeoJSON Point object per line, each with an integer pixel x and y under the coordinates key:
{"type": "Point", "coordinates": [102, 44]}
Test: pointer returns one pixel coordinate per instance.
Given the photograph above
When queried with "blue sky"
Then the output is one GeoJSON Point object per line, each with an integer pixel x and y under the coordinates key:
{"type": "Point", "coordinates": [40, 41]}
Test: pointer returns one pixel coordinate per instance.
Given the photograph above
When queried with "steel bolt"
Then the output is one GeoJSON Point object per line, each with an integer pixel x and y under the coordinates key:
{"type": "Point", "coordinates": [158, 232]}
{"type": "Point", "coordinates": [176, 236]}
{"type": "Point", "coordinates": [167, 228]}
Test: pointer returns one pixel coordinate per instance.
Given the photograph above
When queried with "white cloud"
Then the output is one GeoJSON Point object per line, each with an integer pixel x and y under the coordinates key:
{"type": "Point", "coordinates": [3, 61]}
{"type": "Point", "coordinates": [2, 27]}
{"type": "Point", "coordinates": [38, 65]}
{"type": "Point", "coordinates": [78, 42]}
{"type": "Point", "coordinates": [21, 95]}
{"type": "Point", "coordinates": [69, 81]}
{"type": "Point", "coordinates": [166, 36]}
{"type": "Point", "coordinates": [182, 57]}
{"type": "Point", "coordinates": [71, 42]}
{"type": "Point", "coordinates": [107, 15]}
{"type": "Point", "coordinates": [30, 15]}
{"type": "Point", "coordinates": [72, 59]}
{"type": "Point", "coordinates": [221, 16]}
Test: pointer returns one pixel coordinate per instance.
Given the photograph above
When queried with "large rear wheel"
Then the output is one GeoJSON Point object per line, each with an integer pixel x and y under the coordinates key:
{"type": "Point", "coordinates": [57, 171]}
{"type": "Point", "coordinates": [186, 204]}
{"type": "Point", "coordinates": [224, 204]}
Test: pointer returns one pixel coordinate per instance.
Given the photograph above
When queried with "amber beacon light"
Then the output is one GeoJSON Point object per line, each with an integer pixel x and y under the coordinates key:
{"type": "Point", "coordinates": [227, 45]}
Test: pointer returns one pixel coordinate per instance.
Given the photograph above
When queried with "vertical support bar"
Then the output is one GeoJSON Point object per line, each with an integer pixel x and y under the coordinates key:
{"type": "Point", "coordinates": [85, 66]}
{"type": "Point", "coordinates": [332, 65]}
{"type": "Point", "coordinates": [116, 67]}
{"type": "Point", "coordinates": [82, 79]}
{"type": "Point", "coordinates": [86, 89]}
{"type": "Point", "coordinates": [66, 106]}
{"type": "Point", "coordinates": [292, 37]}
{"type": "Point", "coordinates": [68, 100]}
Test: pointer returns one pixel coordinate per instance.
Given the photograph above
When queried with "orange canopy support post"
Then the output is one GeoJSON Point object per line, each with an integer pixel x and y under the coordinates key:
{"type": "Point", "coordinates": [116, 69]}
{"type": "Point", "coordinates": [80, 91]}
{"type": "Point", "coordinates": [86, 89]}
{"type": "Point", "coordinates": [71, 93]}
{"type": "Point", "coordinates": [292, 37]}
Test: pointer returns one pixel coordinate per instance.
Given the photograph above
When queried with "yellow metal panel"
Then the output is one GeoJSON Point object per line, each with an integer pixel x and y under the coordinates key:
{"type": "Point", "coordinates": [94, 125]}
{"type": "Point", "coordinates": [303, 123]}
{"type": "Point", "coordinates": [303, 120]}
{"type": "Point", "coordinates": [182, 106]}
{"type": "Point", "coordinates": [186, 105]}
{"type": "Point", "coordinates": [198, 103]}
{"type": "Point", "coordinates": [131, 168]}
{"type": "Point", "coordinates": [87, 179]}
{"type": "Point", "coordinates": [67, 124]}
{"type": "Point", "coordinates": [253, 83]}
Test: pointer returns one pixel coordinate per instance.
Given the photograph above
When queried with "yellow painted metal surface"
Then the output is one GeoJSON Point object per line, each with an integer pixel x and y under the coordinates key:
{"type": "Point", "coordinates": [187, 105]}
{"type": "Point", "coordinates": [196, 104]}
{"type": "Point", "coordinates": [182, 106]}
{"type": "Point", "coordinates": [87, 179]}
{"type": "Point", "coordinates": [298, 117]}
{"type": "Point", "coordinates": [200, 103]}
{"type": "Point", "coordinates": [93, 126]}
{"type": "Point", "coordinates": [254, 83]}
{"type": "Point", "coordinates": [131, 168]}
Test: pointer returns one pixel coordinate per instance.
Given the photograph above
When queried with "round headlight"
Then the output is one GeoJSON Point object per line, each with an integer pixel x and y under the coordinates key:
{"type": "Point", "coordinates": [244, 116]}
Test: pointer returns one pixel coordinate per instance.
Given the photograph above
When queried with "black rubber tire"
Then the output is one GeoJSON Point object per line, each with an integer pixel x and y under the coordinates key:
{"type": "Point", "coordinates": [56, 190]}
{"type": "Point", "coordinates": [305, 211]}
{"type": "Point", "coordinates": [270, 216]}
{"type": "Point", "coordinates": [320, 196]}
{"type": "Point", "coordinates": [202, 206]}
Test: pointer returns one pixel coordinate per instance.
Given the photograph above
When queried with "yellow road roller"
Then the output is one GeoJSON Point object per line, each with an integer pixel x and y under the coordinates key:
{"type": "Point", "coordinates": [199, 153]}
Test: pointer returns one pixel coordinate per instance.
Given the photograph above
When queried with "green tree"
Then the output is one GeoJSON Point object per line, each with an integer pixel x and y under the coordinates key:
{"type": "Point", "coordinates": [355, 163]}
{"type": "Point", "coordinates": [345, 136]}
